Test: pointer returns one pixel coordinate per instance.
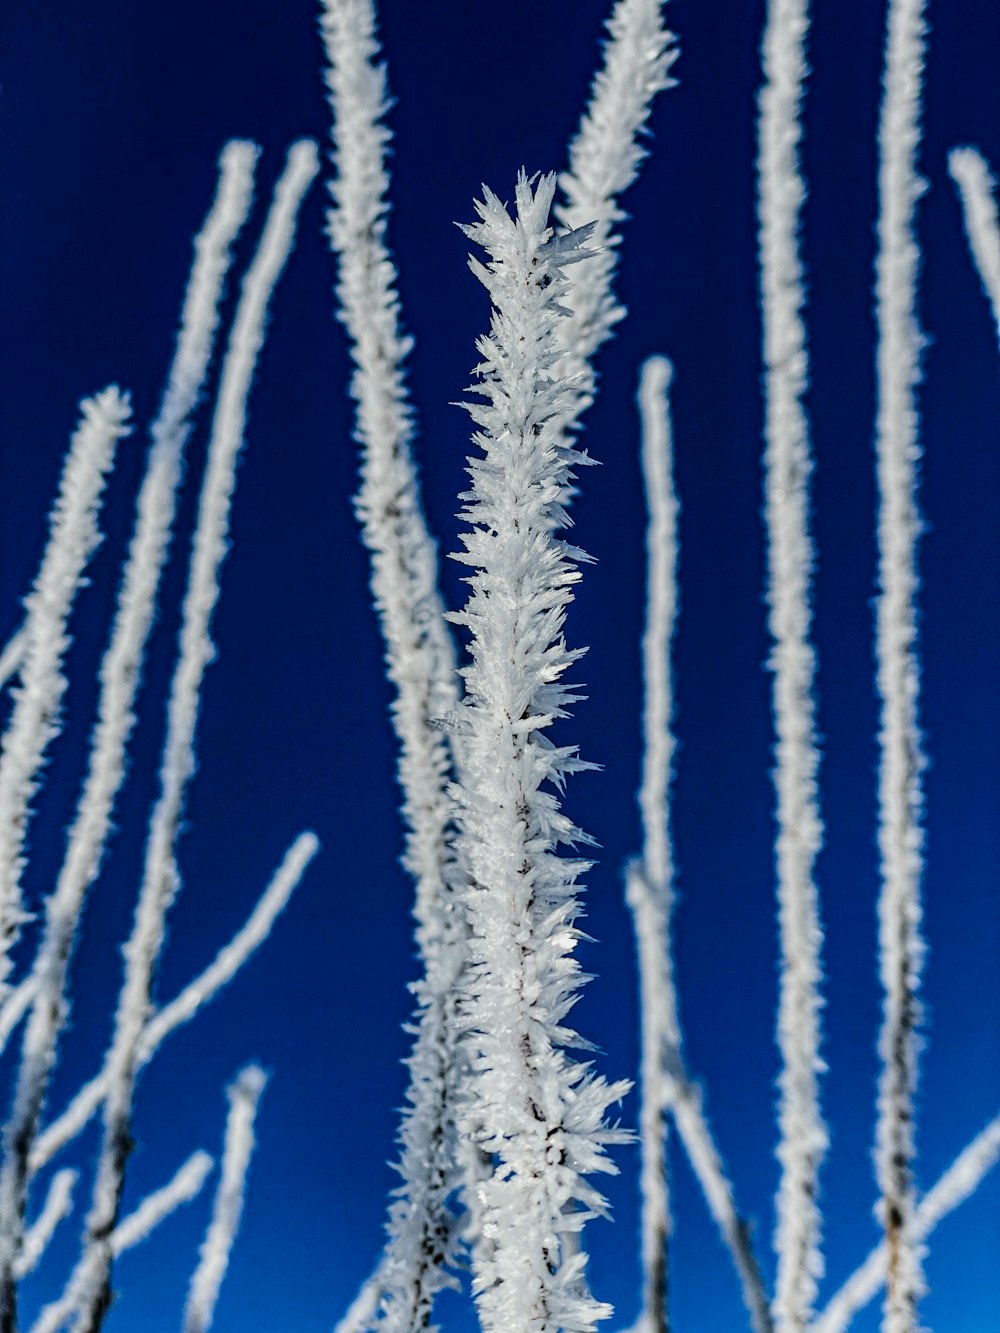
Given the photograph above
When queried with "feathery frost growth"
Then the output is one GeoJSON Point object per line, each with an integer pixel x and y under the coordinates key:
{"type": "Point", "coordinates": [977, 189]}
{"type": "Point", "coordinates": [420, 658]}
{"type": "Point", "coordinates": [160, 878]}
{"type": "Point", "coordinates": [34, 722]}
{"type": "Point", "coordinates": [538, 1112]}
{"type": "Point", "coordinates": [604, 160]}
{"type": "Point", "coordinates": [119, 681]}
{"type": "Point", "coordinates": [901, 763]}
{"type": "Point", "coordinates": [788, 465]}
{"type": "Point", "coordinates": [666, 1085]}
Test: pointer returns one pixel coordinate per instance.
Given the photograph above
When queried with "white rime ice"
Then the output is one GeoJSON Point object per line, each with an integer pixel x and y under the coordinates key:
{"type": "Point", "coordinates": [15, 1006]}
{"type": "Point", "coordinates": [977, 188]}
{"type": "Point", "coordinates": [666, 1085]}
{"type": "Point", "coordinates": [180, 1189]}
{"type": "Point", "coordinates": [34, 720]}
{"type": "Point", "coordinates": [604, 160]}
{"type": "Point", "coordinates": [10, 657]}
{"type": "Point", "coordinates": [160, 877]}
{"type": "Point", "coordinates": [649, 882]}
{"type": "Point", "coordinates": [183, 1007]}
{"type": "Point", "coordinates": [540, 1114]}
{"type": "Point", "coordinates": [57, 1206]}
{"type": "Point", "coordinates": [419, 656]}
{"type": "Point", "coordinates": [119, 681]}
{"type": "Point", "coordinates": [955, 1185]}
{"type": "Point", "coordinates": [227, 1210]}
{"type": "Point", "coordinates": [788, 465]}
{"type": "Point", "coordinates": [901, 763]}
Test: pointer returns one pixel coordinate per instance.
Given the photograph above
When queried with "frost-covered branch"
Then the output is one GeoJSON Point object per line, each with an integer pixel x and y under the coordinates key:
{"type": "Point", "coordinates": [183, 1186]}
{"type": "Point", "coordinates": [604, 160]}
{"type": "Point", "coordinates": [120, 674]}
{"type": "Point", "coordinates": [10, 657]}
{"type": "Point", "coordinates": [956, 1184]}
{"type": "Point", "coordinates": [419, 653]}
{"type": "Point", "coordinates": [159, 881]}
{"type": "Point", "coordinates": [57, 1206]}
{"type": "Point", "coordinates": [34, 721]}
{"type": "Point", "coordinates": [183, 1007]}
{"type": "Point", "coordinates": [694, 1132]}
{"type": "Point", "coordinates": [539, 1113]}
{"type": "Point", "coordinates": [666, 1084]}
{"type": "Point", "coordinates": [977, 189]}
{"type": "Point", "coordinates": [15, 1006]}
{"type": "Point", "coordinates": [227, 1210]}
{"type": "Point", "coordinates": [901, 763]}
{"type": "Point", "coordinates": [790, 555]}
{"type": "Point", "coordinates": [649, 884]}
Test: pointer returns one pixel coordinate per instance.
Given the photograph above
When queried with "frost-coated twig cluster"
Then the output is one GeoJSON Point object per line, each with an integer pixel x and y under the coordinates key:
{"type": "Point", "coordinates": [504, 1128]}
{"type": "Point", "coordinates": [40, 999]}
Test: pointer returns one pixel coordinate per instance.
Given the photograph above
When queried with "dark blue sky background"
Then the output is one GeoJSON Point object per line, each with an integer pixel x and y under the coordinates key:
{"type": "Point", "coordinates": [111, 118]}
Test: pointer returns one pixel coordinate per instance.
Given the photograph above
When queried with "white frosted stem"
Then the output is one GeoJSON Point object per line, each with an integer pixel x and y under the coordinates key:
{"type": "Point", "coordinates": [195, 995]}
{"type": "Point", "coordinates": [227, 1210]}
{"type": "Point", "coordinates": [34, 721]}
{"type": "Point", "coordinates": [419, 653]}
{"type": "Point", "coordinates": [661, 616]}
{"type": "Point", "coordinates": [649, 886]}
{"type": "Point", "coordinates": [10, 657]}
{"type": "Point", "coordinates": [159, 882]}
{"type": "Point", "coordinates": [231, 958]}
{"type": "Point", "coordinates": [184, 1186]}
{"type": "Point", "coordinates": [57, 1206]}
{"type": "Point", "coordinates": [362, 1311]}
{"type": "Point", "coordinates": [788, 466]}
{"type": "Point", "coordinates": [15, 1006]}
{"type": "Point", "coordinates": [901, 762]}
{"type": "Point", "coordinates": [694, 1132]}
{"type": "Point", "coordinates": [666, 1085]}
{"type": "Point", "coordinates": [521, 896]}
{"type": "Point", "coordinates": [604, 160]}
{"type": "Point", "coordinates": [120, 675]}
{"type": "Point", "coordinates": [954, 1186]}
{"type": "Point", "coordinates": [977, 189]}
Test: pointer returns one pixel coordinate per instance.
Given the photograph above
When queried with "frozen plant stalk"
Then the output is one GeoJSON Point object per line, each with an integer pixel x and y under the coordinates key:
{"type": "Point", "coordinates": [227, 1210]}
{"type": "Point", "coordinates": [977, 189]}
{"type": "Point", "coordinates": [540, 1114]}
{"type": "Point", "coordinates": [901, 764]}
{"type": "Point", "coordinates": [788, 465]}
{"type": "Point", "coordinates": [604, 160]}
{"type": "Point", "coordinates": [649, 882]}
{"type": "Point", "coordinates": [34, 721]}
{"type": "Point", "coordinates": [418, 650]}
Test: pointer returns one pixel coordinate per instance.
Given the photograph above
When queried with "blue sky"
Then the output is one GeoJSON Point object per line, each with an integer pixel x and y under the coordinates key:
{"type": "Point", "coordinates": [111, 119]}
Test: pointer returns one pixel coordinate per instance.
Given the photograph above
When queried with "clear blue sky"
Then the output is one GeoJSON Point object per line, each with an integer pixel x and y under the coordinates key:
{"type": "Point", "coordinates": [111, 118]}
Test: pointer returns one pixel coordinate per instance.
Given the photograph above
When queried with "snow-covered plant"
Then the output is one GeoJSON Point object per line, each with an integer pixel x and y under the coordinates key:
{"type": "Point", "coordinates": [540, 1114]}
{"type": "Point", "coordinates": [35, 656]}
